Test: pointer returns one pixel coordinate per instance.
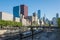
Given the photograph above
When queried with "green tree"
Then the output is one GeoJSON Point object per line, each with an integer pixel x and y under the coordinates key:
{"type": "Point", "coordinates": [10, 23]}
{"type": "Point", "coordinates": [58, 22]}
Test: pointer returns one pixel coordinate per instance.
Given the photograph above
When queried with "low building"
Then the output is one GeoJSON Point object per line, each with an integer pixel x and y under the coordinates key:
{"type": "Point", "coordinates": [6, 16]}
{"type": "Point", "coordinates": [17, 19]}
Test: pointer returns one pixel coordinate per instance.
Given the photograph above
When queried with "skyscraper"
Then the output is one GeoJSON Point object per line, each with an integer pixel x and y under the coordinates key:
{"type": "Point", "coordinates": [24, 10]}
{"type": "Point", "coordinates": [16, 11]}
{"type": "Point", "coordinates": [57, 15]}
{"type": "Point", "coordinates": [34, 14]}
{"type": "Point", "coordinates": [39, 14]}
{"type": "Point", "coordinates": [44, 19]}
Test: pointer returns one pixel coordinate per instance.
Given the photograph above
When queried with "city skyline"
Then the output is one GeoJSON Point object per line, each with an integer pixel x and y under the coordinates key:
{"type": "Point", "coordinates": [47, 7]}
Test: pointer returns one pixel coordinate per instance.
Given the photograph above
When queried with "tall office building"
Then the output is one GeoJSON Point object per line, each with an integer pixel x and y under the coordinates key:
{"type": "Point", "coordinates": [24, 10]}
{"type": "Point", "coordinates": [39, 14]}
{"type": "Point", "coordinates": [44, 19]}
{"type": "Point", "coordinates": [57, 15]}
{"type": "Point", "coordinates": [34, 14]}
{"type": "Point", "coordinates": [16, 12]}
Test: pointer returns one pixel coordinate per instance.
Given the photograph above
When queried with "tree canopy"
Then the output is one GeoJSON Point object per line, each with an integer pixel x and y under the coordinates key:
{"type": "Point", "coordinates": [58, 22]}
{"type": "Point", "coordinates": [10, 23]}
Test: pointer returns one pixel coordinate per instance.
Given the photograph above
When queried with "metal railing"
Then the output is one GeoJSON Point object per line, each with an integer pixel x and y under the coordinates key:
{"type": "Point", "coordinates": [20, 35]}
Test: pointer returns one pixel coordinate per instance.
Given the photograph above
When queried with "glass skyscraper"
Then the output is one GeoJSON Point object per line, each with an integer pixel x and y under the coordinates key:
{"type": "Point", "coordinates": [39, 14]}
{"type": "Point", "coordinates": [22, 9]}
{"type": "Point", "coordinates": [57, 15]}
{"type": "Point", "coordinates": [16, 11]}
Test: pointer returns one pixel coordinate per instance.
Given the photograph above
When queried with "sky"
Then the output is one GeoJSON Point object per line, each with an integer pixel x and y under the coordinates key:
{"type": "Point", "coordinates": [47, 7]}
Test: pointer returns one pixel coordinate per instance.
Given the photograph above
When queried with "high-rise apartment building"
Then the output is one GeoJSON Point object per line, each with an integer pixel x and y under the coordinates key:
{"type": "Point", "coordinates": [24, 10]}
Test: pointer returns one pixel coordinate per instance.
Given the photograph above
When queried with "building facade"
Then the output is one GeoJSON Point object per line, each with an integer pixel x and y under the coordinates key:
{"type": "Point", "coordinates": [57, 15]}
{"type": "Point", "coordinates": [35, 20]}
{"type": "Point", "coordinates": [24, 10]}
{"type": "Point", "coordinates": [54, 21]}
{"type": "Point", "coordinates": [6, 16]}
{"type": "Point", "coordinates": [16, 12]}
{"type": "Point", "coordinates": [17, 19]}
{"type": "Point", "coordinates": [39, 14]}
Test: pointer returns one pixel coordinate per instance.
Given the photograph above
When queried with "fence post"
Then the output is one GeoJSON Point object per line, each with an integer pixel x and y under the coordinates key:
{"type": "Point", "coordinates": [32, 32]}
{"type": "Point", "coordinates": [21, 35]}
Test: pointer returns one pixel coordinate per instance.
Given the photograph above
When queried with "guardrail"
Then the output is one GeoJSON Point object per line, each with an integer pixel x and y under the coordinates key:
{"type": "Point", "coordinates": [22, 35]}
{"type": "Point", "coordinates": [14, 28]}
